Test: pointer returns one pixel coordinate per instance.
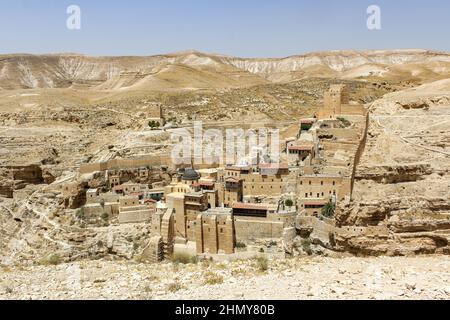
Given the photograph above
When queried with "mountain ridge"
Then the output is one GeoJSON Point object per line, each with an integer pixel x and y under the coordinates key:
{"type": "Point", "coordinates": [67, 70]}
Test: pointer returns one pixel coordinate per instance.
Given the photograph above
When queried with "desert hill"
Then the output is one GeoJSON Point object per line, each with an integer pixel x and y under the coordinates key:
{"type": "Point", "coordinates": [196, 70]}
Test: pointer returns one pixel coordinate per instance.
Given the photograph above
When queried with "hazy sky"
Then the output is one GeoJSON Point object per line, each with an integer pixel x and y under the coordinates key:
{"type": "Point", "coordinates": [248, 28]}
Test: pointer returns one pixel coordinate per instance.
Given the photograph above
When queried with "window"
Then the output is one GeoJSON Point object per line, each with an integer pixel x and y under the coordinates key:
{"type": "Point", "coordinates": [321, 183]}
{"type": "Point", "coordinates": [334, 183]}
{"type": "Point", "coordinates": [309, 182]}
{"type": "Point", "coordinates": [301, 183]}
{"type": "Point", "coordinates": [306, 195]}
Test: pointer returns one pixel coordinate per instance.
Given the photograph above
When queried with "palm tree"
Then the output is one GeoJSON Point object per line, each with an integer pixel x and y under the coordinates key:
{"type": "Point", "coordinates": [328, 210]}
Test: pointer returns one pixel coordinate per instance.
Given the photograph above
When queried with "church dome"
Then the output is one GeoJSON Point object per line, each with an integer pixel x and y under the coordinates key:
{"type": "Point", "coordinates": [190, 175]}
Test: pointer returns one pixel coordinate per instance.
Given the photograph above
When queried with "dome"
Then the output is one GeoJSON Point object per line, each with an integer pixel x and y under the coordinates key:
{"type": "Point", "coordinates": [190, 175]}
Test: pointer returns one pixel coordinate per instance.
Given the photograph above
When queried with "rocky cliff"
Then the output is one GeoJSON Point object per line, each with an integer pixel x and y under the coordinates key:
{"type": "Point", "coordinates": [402, 183]}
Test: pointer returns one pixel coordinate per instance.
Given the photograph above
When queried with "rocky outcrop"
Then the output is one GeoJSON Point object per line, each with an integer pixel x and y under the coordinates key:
{"type": "Point", "coordinates": [424, 103]}
{"type": "Point", "coordinates": [393, 173]}
{"type": "Point", "coordinates": [17, 177]}
{"type": "Point", "coordinates": [373, 213]}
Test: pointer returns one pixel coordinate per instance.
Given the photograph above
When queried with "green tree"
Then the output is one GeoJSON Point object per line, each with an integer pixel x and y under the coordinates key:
{"type": "Point", "coordinates": [154, 124]}
{"type": "Point", "coordinates": [328, 210]}
{"type": "Point", "coordinates": [289, 203]}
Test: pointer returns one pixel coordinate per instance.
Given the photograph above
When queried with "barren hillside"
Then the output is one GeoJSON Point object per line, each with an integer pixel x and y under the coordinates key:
{"type": "Point", "coordinates": [194, 70]}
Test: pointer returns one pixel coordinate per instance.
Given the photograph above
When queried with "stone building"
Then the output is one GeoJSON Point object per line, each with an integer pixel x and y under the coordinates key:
{"type": "Point", "coordinates": [100, 205]}
{"type": "Point", "coordinates": [298, 153]}
{"type": "Point", "coordinates": [261, 221]}
{"type": "Point", "coordinates": [214, 232]}
{"type": "Point", "coordinates": [269, 181]}
{"type": "Point", "coordinates": [233, 191]}
{"type": "Point", "coordinates": [132, 211]}
{"type": "Point", "coordinates": [155, 113]}
{"type": "Point", "coordinates": [334, 98]}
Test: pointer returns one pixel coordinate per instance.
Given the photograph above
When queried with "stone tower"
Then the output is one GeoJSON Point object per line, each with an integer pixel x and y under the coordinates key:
{"type": "Point", "coordinates": [334, 98]}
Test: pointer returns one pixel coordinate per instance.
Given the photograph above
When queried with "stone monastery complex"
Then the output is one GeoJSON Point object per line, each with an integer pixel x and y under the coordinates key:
{"type": "Point", "coordinates": [233, 209]}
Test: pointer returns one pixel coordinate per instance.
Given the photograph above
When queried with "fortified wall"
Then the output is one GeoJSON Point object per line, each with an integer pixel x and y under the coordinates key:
{"type": "Point", "coordinates": [148, 161]}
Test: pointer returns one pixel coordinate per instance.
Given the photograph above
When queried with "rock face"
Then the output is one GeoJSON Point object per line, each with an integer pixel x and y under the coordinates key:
{"type": "Point", "coordinates": [16, 177]}
{"type": "Point", "coordinates": [401, 200]}
{"type": "Point", "coordinates": [393, 173]}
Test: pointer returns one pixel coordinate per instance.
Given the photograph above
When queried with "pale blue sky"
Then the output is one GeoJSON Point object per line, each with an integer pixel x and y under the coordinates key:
{"type": "Point", "coordinates": [248, 28]}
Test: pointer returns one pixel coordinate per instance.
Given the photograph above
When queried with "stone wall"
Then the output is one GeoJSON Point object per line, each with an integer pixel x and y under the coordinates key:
{"type": "Point", "coordinates": [135, 214]}
{"type": "Point", "coordinates": [148, 161]}
{"type": "Point", "coordinates": [253, 228]}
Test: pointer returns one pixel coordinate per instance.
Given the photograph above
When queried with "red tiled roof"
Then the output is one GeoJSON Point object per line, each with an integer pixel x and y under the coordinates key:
{"type": "Point", "coordinates": [301, 148]}
{"type": "Point", "coordinates": [150, 201]}
{"type": "Point", "coordinates": [136, 194]}
{"type": "Point", "coordinates": [249, 206]}
{"type": "Point", "coordinates": [307, 121]}
{"type": "Point", "coordinates": [273, 166]}
{"type": "Point", "coordinates": [206, 183]}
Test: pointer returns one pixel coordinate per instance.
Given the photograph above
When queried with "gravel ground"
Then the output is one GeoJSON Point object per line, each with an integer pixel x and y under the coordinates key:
{"type": "Point", "coordinates": [425, 277]}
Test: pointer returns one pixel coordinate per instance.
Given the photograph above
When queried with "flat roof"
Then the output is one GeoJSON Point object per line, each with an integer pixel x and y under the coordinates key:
{"type": "Point", "coordinates": [152, 191]}
{"type": "Point", "coordinates": [250, 206]}
{"type": "Point", "coordinates": [218, 211]}
{"type": "Point", "coordinates": [323, 175]}
{"type": "Point", "coordinates": [238, 168]}
{"type": "Point", "coordinates": [231, 179]}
